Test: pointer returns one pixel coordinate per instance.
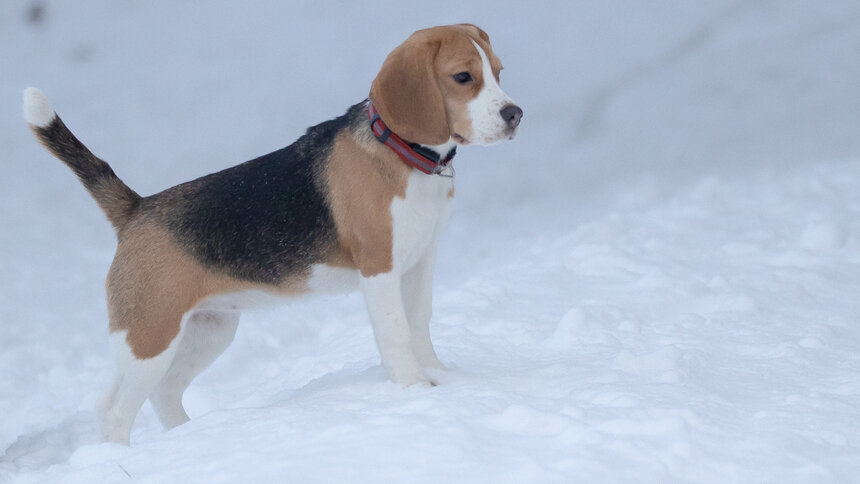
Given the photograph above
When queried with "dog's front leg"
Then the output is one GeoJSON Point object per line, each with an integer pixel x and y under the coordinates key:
{"type": "Point", "coordinates": [384, 299]}
{"type": "Point", "coordinates": [418, 300]}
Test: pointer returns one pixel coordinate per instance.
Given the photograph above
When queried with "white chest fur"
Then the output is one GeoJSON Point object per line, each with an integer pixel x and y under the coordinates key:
{"type": "Point", "coordinates": [419, 217]}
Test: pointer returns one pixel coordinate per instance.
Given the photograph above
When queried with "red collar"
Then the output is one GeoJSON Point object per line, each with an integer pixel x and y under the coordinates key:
{"type": "Point", "coordinates": [414, 155]}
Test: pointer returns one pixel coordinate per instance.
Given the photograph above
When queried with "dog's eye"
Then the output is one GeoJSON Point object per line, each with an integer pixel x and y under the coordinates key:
{"type": "Point", "coordinates": [463, 77]}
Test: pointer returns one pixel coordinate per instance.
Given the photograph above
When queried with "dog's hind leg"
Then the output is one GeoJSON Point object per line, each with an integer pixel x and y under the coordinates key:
{"type": "Point", "coordinates": [206, 335]}
{"type": "Point", "coordinates": [133, 382]}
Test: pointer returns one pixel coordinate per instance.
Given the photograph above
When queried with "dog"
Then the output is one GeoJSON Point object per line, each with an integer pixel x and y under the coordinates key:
{"type": "Point", "coordinates": [358, 200]}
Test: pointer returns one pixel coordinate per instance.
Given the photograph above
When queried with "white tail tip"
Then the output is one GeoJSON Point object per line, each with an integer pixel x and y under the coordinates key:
{"type": "Point", "coordinates": [37, 110]}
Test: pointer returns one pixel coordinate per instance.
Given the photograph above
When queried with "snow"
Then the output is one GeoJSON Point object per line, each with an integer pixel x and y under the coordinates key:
{"type": "Point", "coordinates": [657, 281]}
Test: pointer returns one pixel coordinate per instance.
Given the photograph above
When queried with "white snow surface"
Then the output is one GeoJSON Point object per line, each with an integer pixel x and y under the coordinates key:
{"type": "Point", "coordinates": [657, 281]}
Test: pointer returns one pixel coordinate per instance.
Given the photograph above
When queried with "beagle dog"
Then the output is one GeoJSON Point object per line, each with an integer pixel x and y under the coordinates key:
{"type": "Point", "coordinates": [358, 201]}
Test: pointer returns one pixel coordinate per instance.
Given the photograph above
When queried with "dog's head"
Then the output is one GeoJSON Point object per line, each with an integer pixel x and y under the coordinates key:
{"type": "Point", "coordinates": [443, 83]}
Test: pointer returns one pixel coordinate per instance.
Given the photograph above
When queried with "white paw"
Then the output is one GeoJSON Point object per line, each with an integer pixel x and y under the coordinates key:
{"type": "Point", "coordinates": [426, 355]}
{"type": "Point", "coordinates": [115, 431]}
{"type": "Point", "coordinates": [410, 374]}
{"type": "Point", "coordinates": [431, 361]}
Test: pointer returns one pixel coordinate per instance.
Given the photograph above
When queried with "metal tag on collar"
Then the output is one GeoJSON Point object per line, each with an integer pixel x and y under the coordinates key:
{"type": "Point", "coordinates": [446, 170]}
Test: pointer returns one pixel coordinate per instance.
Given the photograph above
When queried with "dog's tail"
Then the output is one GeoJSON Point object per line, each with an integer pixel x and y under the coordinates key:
{"type": "Point", "coordinates": [116, 199]}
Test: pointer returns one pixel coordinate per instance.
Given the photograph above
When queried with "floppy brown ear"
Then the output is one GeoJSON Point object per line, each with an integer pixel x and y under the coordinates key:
{"type": "Point", "coordinates": [483, 35]}
{"type": "Point", "coordinates": [407, 95]}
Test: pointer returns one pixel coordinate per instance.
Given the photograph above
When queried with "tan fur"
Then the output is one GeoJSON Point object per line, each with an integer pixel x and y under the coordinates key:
{"type": "Point", "coordinates": [152, 283]}
{"type": "Point", "coordinates": [406, 92]}
{"type": "Point", "coordinates": [363, 178]}
{"type": "Point", "coordinates": [414, 93]}
{"type": "Point", "coordinates": [457, 55]}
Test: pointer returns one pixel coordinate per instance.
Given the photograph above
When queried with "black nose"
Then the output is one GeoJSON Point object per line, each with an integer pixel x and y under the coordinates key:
{"type": "Point", "coordinates": [511, 114]}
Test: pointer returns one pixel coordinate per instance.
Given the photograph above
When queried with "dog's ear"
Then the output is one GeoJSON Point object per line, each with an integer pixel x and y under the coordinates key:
{"type": "Point", "coordinates": [407, 95]}
{"type": "Point", "coordinates": [483, 35]}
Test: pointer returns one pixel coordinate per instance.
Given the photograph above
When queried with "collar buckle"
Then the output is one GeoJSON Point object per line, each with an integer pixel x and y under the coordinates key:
{"type": "Point", "coordinates": [415, 155]}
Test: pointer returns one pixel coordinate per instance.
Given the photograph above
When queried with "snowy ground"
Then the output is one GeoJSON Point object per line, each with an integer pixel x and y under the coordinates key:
{"type": "Point", "coordinates": [658, 281]}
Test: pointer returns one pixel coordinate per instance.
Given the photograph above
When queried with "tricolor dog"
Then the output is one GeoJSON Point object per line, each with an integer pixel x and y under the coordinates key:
{"type": "Point", "coordinates": [357, 200]}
